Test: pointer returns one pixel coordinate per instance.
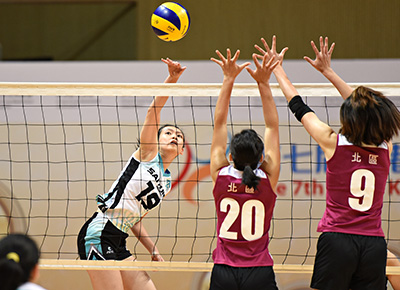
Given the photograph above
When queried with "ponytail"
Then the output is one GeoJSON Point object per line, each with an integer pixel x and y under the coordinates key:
{"type": "Point", "coordinates": [19, 255]}
{"type": "Point", "coordinates": [249, 178]}
{"type": "Point", "coordinates": [246, 150]}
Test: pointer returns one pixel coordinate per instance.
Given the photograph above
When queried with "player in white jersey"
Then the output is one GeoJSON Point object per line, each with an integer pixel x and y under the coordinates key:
{"type": "Point", "coordinates": [141, 186]}
{"type": "Point", "coordinates": [351, 251]}
{"type": "Point", "coordinates": [244, 191]}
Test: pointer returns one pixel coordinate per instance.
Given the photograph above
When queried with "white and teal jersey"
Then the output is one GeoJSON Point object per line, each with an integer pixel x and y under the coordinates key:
{"type": "Point", "coordinates": [140, 188]}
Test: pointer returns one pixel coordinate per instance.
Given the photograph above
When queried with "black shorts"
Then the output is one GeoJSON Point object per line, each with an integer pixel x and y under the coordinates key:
{"type": "Point", "coordinates": [244, 278]}
{"type": "Point", "coordinates": [99, 239]}
{"type": "Point", "coordinates": [346, 261]}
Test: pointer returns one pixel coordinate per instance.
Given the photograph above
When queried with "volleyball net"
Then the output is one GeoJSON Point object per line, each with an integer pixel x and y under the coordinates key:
{"type": "Point", "coordinates": [62, 144]}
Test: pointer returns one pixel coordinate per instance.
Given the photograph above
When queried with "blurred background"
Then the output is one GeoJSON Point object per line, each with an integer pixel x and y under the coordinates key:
{"type": "Point", "coordinates": [86, 30]}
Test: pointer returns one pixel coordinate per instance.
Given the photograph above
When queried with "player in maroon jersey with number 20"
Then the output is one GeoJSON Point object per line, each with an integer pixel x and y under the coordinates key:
{"type": "Point", "coordinates": [351, 251]}
{"type": "Point", "coordinates": [244, 192]}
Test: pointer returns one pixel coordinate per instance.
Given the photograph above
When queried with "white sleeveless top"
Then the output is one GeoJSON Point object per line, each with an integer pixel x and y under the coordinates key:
{"type": "Point", "coordinates": [141, 186]}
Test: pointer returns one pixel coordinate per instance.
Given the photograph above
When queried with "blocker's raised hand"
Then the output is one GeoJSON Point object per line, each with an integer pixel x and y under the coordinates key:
{"type": "Point", "coordinates": [322, 60]}
{"type": "Point", "coordinates": [271, 51]}
{"type": "Point", "coordinates": [229, 66]}
{"type": "Point", "coordinates": [263, 71]}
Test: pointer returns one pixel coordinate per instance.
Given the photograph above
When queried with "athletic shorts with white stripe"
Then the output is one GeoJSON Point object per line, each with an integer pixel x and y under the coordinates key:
{"type": "Point", "coordinates": [99, 239]}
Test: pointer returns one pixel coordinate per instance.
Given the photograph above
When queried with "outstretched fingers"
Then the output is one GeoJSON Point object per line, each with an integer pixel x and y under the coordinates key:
{"type": "Point", "coordinates": [229, 64]}
{"type": "Point", "coordinates": [272, 63]}
{"type": "Point", "coordinates": [284, 50]}
{"type": "Point", "coordinates": [309, 60]}
{"type": "Point", "coordinates": [242, 66]}
{"type": "Point", "coordinates": [257, 64]}
{"type": "Point", "coordinates": [228, 58]}
{"type": "Point", "coordinates": [281, 55]}
{"type": "Point", "coordinates": [273, 43]}
{"type": "Point", "coordinates": [322, 44]}
{"type": "Point", "coordinates": [331, 48]}
{"type": "Point", "coordinates": [255, 59]}
{"type": "Point", "coordinates": [323, 55]}
{"type": "Point", "coordinates": [262, 51]}
{"type": "Point", "coordinates": [314, 47]}
{"type": "Point", "coordinates": [174, 68]}
{"type": "Point", "coordinates": [228, 54]}
{"type": "Point", "coordinates": [263, 70]}
{"type": "Point", "coordinates": [222, 58]}
{"type": "Point", "coordinates": [236, 56]}
{"type": "Point", "coordinates": [268, 50]}
{"type": "Point", "coordinates": [317, 52]}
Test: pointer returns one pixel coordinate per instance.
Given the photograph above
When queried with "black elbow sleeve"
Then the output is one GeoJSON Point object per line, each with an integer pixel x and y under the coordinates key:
{"type": "Point", "coordinates": [298, 107]}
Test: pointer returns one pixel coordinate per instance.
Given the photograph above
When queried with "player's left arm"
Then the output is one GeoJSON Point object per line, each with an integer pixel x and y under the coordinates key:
{"type": "Point", "coordinates": [148, 135]}
{"type": "Point", "coordinates": [220, 134]}
{"type": "Point", "coordinates": [321, 132]}
{"type": "Point", "coordinates": [141, 234]}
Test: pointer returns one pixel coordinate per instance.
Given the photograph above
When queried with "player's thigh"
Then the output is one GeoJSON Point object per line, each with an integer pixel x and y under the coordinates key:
{"type": "Point", "coordinates": [136, 280]}
{"type": "Point", "coordinates": [106, 279]}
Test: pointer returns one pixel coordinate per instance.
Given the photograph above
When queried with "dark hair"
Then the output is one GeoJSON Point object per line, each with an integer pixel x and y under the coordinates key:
{"type": "Point", "coordinates": [246, 150]}
{"type": "Point", "coordinates": [160, 130]}
{"type": "Point", "coordinates": [19, 255]}
{"type": "Point", "coordinates": [368, 117]}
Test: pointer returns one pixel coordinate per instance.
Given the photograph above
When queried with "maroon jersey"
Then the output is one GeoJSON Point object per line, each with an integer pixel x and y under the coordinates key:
{"type": "Point", "coordinates": [244, 217]}
{"type": "Point", "coordinates": [355, 184]}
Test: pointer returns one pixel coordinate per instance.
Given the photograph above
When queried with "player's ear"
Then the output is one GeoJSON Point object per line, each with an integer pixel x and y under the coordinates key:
{"type": "Point", "coordinates": [230, 157]}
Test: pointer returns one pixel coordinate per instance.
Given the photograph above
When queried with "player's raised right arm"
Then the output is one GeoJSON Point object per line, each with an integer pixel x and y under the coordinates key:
{"type": "Point", "coordinates": [148, 135]}
{"type": "Point", "coordinates": [261, 75]}
{"type": "Point", "coordinates": [322, 63]}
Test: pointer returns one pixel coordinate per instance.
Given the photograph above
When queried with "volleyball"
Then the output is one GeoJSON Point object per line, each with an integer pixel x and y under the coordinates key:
{"type": "Point", "coordinates": [170, 21]}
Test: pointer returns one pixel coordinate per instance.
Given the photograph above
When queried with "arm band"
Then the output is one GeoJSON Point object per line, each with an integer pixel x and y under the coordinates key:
{"type": "Point", "coordinates": [298, 107]}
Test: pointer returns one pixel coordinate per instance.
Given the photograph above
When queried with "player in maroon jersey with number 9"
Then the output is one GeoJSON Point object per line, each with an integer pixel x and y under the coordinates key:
{"type": "Point", "coordinates": [244, 192]}
{"type": "Point", "coordinates": [351, 251]}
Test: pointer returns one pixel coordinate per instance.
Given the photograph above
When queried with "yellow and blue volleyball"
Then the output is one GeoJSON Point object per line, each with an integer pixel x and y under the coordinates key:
{"type": "Point", "coordinates": [170, 21]}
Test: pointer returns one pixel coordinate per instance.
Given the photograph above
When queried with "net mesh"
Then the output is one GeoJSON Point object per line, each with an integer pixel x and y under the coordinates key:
{"type": "Point", "coordinates": [61, 145]}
